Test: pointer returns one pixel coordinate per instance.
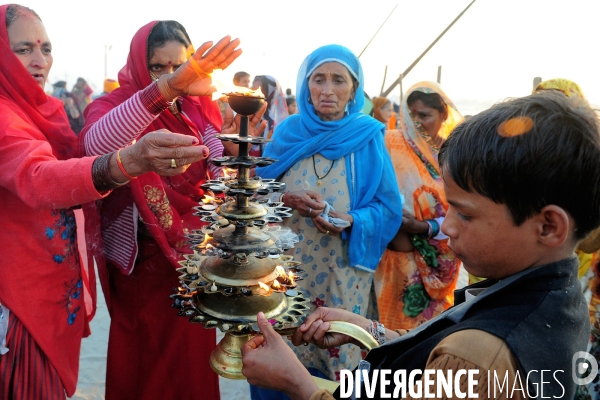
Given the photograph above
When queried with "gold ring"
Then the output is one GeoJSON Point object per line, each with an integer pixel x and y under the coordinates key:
{"type": "Point", "coordinates": [173, 163]}
{"type": "Point", "coordinates": [327, 233]}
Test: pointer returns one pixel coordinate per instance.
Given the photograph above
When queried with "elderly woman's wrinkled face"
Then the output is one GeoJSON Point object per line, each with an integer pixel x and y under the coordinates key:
{"type": "Point", "coordinates": [166, 59]}
{"type": "Point", "coordinates": [430, 118]}
{"type": "Point", "coordinates": [29, 42]}
{"type": "Point", "coordinates": [331, 88]}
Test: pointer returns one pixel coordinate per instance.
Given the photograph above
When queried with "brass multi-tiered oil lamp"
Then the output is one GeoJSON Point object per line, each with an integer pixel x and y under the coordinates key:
{"type": "Point", "coordinates": [238, 267]}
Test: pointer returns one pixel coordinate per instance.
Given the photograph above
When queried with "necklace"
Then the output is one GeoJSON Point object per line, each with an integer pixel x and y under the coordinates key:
{"type": "Point", "coordinates": [319, 178]}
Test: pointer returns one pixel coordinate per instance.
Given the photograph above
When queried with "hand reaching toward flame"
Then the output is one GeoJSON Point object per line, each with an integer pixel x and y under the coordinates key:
{"type": "Point", "coordinates": [268, 360]}
{"type": "Point", "coordinates": [193, 77]}
{"type": "Point", "coordinates": [158, 150]}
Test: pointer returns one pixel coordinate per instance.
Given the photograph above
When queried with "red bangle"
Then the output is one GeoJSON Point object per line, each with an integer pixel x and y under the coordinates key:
{"type": "Point", "coordinates": [122, 168]}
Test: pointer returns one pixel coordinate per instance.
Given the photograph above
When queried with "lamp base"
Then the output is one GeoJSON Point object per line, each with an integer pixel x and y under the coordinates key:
{"type": "Point", "coordinates": [226, 358]}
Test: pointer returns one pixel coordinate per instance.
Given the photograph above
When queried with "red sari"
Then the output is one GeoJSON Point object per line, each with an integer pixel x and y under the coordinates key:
{"type": "Point", "coordinates": [149, 345]}
{"type": "Point", "coordinates": [50, 296]}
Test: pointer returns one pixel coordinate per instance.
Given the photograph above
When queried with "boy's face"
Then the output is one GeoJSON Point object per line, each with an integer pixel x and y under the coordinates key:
{"type": "Point", "coordinates": [484, 237]}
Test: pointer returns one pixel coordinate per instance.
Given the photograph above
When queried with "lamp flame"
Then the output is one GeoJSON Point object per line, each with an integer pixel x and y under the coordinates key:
{"type": "Point", "coordinates": [291, 278]}
{"type": "Point", "coordinates": [228, 172]}
{"type": "Point", "coordinates": [281, 272]}
{"type": "Point", "coordinates": [206, 239]}
{"type": "Point", "coordinates": [264, 289]}
{"type": "Point", "coordinates": [218, 81]}
{"type": "Point", "coordinates": [208, 199]}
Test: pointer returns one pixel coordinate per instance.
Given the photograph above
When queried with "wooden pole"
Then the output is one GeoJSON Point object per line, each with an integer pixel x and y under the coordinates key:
{"type": "Point", "coordinates": [361, 53]}
{"type": "Point", "coordinates": [536, 81]}
{"type": "Point", "coordinates": [401, 91]}
{"type": "Point", "coordinates": [389, 89]}
{"type": "Point", "coordinates": [384, 76]}
{"type": "Point", "coordinates": [439, 78]}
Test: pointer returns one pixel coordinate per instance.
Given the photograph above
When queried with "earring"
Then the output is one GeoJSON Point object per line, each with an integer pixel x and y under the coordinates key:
{"type": "Point", "coordinates": [309, 100]}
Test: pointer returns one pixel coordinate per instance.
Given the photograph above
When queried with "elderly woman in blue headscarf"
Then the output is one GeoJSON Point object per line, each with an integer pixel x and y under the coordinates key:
{"type": "Point", "coordinates": [342, 189]}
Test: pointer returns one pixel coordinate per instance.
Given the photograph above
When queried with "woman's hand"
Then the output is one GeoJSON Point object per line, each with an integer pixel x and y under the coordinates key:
{"type": "Point", "coordinates": [327, 227]}
{"type": "Point", "coordinates": [156, 151]}
{"type": "Point", "coordinates": [268, 360]}
{"type": "Point", "coordinates": [308, 204]}
{"type": "Point", "coordinates": [315, 327]}
{"type": "Point", "coordinates": [411, 225]}
{"type": "Point", "coordinates": [256, 126]}
{"type": "Point", "coordinates": [193, 78]}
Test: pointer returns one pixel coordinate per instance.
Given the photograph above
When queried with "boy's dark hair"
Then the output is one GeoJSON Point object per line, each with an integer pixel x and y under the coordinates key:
{"type": "Point", "coordinates": [431, 100]}
{"type": "Point", "coordinates": [238, 76]}
{"type": "Point", "coordinates": [165, 31]}
{"type": "Point", "coordinates": [531, 152]}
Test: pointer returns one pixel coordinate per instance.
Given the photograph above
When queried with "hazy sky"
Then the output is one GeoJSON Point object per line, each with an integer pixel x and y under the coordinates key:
{"type": "Point", "coordinates": [493, 52]}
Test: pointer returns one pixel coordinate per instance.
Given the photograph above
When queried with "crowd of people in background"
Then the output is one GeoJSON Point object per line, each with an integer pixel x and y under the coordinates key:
{"type": "Point", "coordinates": [370, 184]}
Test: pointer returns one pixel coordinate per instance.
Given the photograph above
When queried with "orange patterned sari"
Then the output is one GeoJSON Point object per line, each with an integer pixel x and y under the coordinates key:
{"type": "Point", "coordinates": [414, 287]}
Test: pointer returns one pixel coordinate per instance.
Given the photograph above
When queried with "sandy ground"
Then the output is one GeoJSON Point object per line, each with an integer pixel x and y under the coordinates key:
{"type": "Point", "coordinates": [93, 359]}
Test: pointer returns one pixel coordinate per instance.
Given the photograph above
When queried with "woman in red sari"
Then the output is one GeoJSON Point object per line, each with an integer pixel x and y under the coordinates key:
{"type": "Point", "coordinates": [47, 297]}
{"type": "Point", "coordinates": [144, 225]}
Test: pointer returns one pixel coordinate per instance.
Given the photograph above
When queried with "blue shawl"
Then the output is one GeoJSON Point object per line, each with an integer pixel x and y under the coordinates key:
{"type": "Point", "coordinates": [374, 198]}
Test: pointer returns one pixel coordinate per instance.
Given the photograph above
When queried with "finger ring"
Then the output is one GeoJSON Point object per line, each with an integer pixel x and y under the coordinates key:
{"type": "Point", "coordinates": [173, 164]}
{"type": "Point", "coordinates": [327, 233]}
{"type": "Point", "coordinates": [310, 211]}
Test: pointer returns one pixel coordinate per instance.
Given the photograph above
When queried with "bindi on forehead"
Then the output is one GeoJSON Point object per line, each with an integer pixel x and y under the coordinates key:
{"type": "Point", "coordinates": [39, 41]}
{"type": "Point", "coordinates": [169, 63]}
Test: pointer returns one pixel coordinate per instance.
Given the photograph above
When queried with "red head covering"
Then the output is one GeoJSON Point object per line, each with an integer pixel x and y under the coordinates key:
{"type": "Point", "coordinates": [23, 95]}
{"type": "Point", "coordinates": [165, 205]}
{"type": "Point", "coordinates": [19, 87]}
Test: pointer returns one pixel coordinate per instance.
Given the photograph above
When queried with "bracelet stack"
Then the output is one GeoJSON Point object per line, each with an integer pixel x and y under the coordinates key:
{"type": "Point", "coordinates": [153, 100]}
{"type": "Point", "coordinates": [103, 181]}
{"type": "Point", "coordinates": [377, 330]}
{"type": "Point", "coordinates": [434, 228]}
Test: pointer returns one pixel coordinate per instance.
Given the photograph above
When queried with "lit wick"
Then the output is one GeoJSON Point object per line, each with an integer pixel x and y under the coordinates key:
{"type": "Point", "coordinates": [264, 289]}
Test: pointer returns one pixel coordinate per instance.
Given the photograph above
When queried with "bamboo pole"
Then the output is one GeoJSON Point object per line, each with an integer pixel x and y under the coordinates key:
{"type": "Point", "coordinates": [388, 17]}
{"type": "Point", "coordinates": [384, 76]}
{"type": "Point", "coordinates": [393, 85]}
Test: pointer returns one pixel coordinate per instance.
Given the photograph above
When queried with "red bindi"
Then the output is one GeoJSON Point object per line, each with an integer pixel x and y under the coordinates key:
{"type": "Point", "coordinates": [169, 62]}
{"type": "Point", "coordinates": [39, 41]}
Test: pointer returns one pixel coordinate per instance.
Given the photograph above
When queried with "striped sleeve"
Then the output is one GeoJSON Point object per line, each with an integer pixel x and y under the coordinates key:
{"type": "Point", "coordinates": [216, 149]}
{"type": "Point", "coordinates": [120, 127]}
